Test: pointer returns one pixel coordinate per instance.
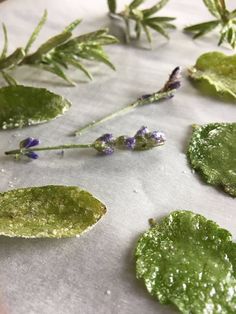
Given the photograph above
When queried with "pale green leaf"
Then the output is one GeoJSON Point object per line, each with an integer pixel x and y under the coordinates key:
{"type": "Point", "coordinates": [22, 106]}
{"type": "Point", "coordinates": [216, 70]}
{"type": "Point", "coordinates": [212, 7]}
{"type": "Point", "coordinates": [189, 261]}
{"type": "Point", "coordinates": [155, 8]}
{"type": "Point", "coordinates": [5, 46]}
{"type": "Point", "coordinates": [72, 26]}
{"type": "Point", "coordinates": [36, 31]}
{"type": "Point", "coordinates": [212, 153]}
{"type": "Point", "coordinates": [48, 212]}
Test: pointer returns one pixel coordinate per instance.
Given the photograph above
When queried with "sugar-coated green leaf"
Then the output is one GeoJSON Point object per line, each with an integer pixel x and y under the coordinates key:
{"type": "Point", "coordinates": [135, 3]}
{"type": "Point", "coordinates": [212, 7]}
{"type": "Point", "coordinates": [202, 28]}
{"type": "Point", "coordinates": [212, 153]}
{"type": "Point", "coordinates": [48, 212]}
{"type": "Point", "coordinates": [217, 70]}
{"type": "Point", "coordinates": [24, 105]}
{"type": "Point", "coordinates": [36, 31]}
{"type": "Point", "coordinates": [155, 8]}
{"type": "Point", "coordinates": [5, 46]}
{"type": "Point", "coordinates": [13, 59]}
{"type": "Point", "coordinates": [189, 261]}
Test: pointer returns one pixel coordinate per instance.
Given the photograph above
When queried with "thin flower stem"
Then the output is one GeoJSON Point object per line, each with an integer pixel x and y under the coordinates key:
{"type": "Point", "coordinates": [138, 103]}
{"type": "Point", "coordinates": [66, 146]}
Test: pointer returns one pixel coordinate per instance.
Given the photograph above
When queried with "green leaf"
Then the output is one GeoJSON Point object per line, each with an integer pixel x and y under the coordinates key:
{"type": "Point", "coordinates": [13, 59]}
{"type": "Point", "coordinates": [157, 7]}
{"type": "Point", "coordinates": [79, 66]}
{"type": "Point", "coordinates": [135, 3]}
{"type": "Point", "coordinates": [160, 19]}
{"type": "Point", "coordinates": [189, 261]}
{"type": "Point", "coordinates": [202, 28]}
{"type": "Point", "coordinates": [100, 55]}
{"type": "Point", "coordinates": [48, 212]}
{"type": "Point", "coordinates": [112, 5]}
{"type": "Point", "coordinates": [212, 7]}
{"type": "Point", "coordinates": [212, 152]}
{"type": "Point", "coordinates": [24, 105]}
{"type": "Point", "coordinates": [157, 28]}
{"type": "Point", "coordinates": [147, 32]}
{"type": "Point", "coordinates": [216, 70]}
{"type": "Point", "coordinates": [36, 31]}
{"type": "Point", "coordinates": [5, 46]}
{"type": "Point", "coordinates": [72, 26]}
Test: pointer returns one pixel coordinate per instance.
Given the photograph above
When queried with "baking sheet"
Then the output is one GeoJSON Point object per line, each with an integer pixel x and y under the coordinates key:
{"type": "Point", "coordinates": [96, 273]}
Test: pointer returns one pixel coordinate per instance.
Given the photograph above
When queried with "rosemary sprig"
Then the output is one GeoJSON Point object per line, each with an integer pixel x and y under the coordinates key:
{"type": "Point", "coordinates": [58, 52]}
{"type": "Point", "coordinates": [225, 19]}
{"type": "Point", "coordinates": [143, 19]}
{"type": "Point", "coordinates": [166, 92]}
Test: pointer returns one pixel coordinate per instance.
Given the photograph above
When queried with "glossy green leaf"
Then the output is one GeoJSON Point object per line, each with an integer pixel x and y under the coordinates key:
{"type": "Point", "coordinates": [189, 261]}
{"type": "Point", "coordinates": [48, 211]}
{"type": "Point", "coordinates": [212, 152]}
{"type": "Point", "coordinates": [216, 70]}
{"type": "Point", "coordinates": [24, 105]}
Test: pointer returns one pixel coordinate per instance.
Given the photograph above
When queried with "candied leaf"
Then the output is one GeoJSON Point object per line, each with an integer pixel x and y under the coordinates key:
{"type": "Point", "coordinates": [48, 212]}
{"type": "Point", "coordinates": [24, 105]}
{"type": "Point", "coordinates": [216, 70]}
{"type": "Point", "coordinates": [189, 261]}
{"type": "Point", "coordinates": [212, 152]}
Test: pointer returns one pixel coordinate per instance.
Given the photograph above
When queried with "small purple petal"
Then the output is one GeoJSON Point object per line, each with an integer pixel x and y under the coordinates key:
{"type": "Point", "coordinates": [32, 155]}
{"type": "Point", "coordinates": [130, 142]}
{"type": "Point", "coordinates": [107, 138]}
{"type": "Point", "coordinates": [158, 136]}
{"type": "Point", "coordinates": [29, 142]}
{"type": "Point", "coordinates": [108, 150]}
{"type": "Point", "coordinates": [175, 85]}
{"type": "Point", "coordinates": [142, 131]}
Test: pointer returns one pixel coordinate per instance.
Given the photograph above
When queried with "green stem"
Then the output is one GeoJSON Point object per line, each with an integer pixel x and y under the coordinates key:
{"type": "Point", "coordinates": [37, 149]}
{"type": "Point", "coordinates": [138, 103]}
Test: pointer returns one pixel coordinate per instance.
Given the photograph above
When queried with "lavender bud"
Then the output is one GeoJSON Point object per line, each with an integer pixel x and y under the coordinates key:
{"type": "Point", "coordinates": [32, 155]}
{"type": "Point", "coordinates": [107, 138]}
{"type": "Point", "coordinates": [142, 131]}
{"type": "Point", "coordinates": [173, 81]}
{"type": "Point", "coordinates": [103, 147]}
{"type": "Point", "coordinates": [158, 136]}
{"type": "Point", "coordinates": [29, 142]}
{"type": "Point", "coordinates": [130, 142]}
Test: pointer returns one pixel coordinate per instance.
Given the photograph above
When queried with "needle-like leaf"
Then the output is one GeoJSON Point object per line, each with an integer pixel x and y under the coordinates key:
{"type": "Point", "coordinates": [5, 46]}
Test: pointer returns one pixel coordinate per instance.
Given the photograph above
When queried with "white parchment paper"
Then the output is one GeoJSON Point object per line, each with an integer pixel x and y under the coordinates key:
{"type": "Point", "coordinates": [95, 274]}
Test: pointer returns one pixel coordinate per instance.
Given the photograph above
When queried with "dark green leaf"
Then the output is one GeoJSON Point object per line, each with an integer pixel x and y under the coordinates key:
{"type": "Point", "coordinates": [12, 60]}
{"type": "Point", "coordinates": [5, 46]}
{"type": "Point", "coordinates": [212, 152]}
{"type": "Point", "coordinates": [160, 19]}
{"type": "Point", "coordinates": [79, 66]}
{"type": "Point", "coordinates": [48, 212]}
{"type": "Point", "coordinates": [212, 7]}
{"type": "Point", "coordinates": [189, 261]}
{"type": "Point", "coordinates": [202, 28]}
{"type": "Point", "coordinates": [112, 5]}
{"type": "Point", "coordinates": [36, 32]}
{"type": "Point", "coordinates": [22, 106]}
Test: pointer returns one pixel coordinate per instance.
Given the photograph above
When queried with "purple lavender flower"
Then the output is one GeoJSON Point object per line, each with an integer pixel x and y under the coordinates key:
{"type": "Point", "coordinates": [106, 138]}
{"type": "Point", "coordinates": [32, 155]}
{"type": "Point", "coordinates": [130, 142]}
{"type": "Point", "coordinates": [29, 142]}
{"type": "Point", "coordinates": [108, 150]}
{"type": "Point", "coordinates": [173, 81]}
{"type": "Point", "coordinates": [158, 136]}
{"type": "Point", "coordinates": [142, 131]}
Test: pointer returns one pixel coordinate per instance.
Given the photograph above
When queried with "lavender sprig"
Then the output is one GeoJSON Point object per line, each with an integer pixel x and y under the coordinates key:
{"type": "Point", "coordinates": [105, 144]}
{"type": "Point", "coordinates": [167, 91]}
